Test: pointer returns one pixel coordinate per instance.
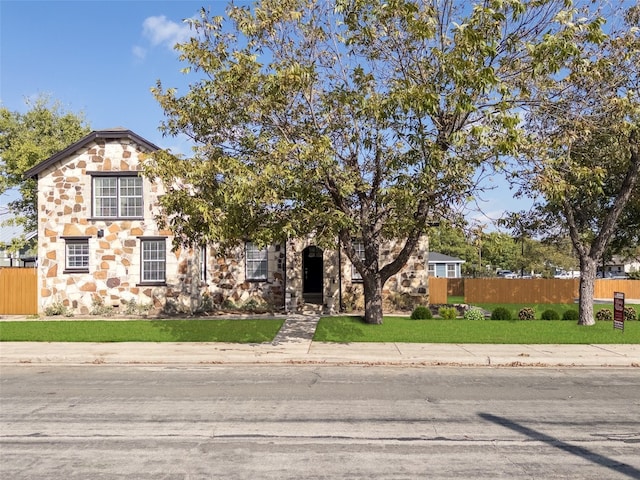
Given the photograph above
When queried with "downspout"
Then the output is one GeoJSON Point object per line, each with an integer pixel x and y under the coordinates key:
{"type": "Point", "coordinates": [284, 278]}
{"type": "Point", "coordinates": [340, 306]}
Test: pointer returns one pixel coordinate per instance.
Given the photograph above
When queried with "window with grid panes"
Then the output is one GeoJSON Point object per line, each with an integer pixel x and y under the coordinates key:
{"type": "Point", "coordinates": [117, 196]}
{"type": "Point", "coordinates": [359, 248]}
{"type": "Point", "coordinates": [451, 270]}
{"type": "Point", "coordinates": [153, 260]}
{"type": "Point", "coordinates": [255, 262]}
{"type": "Point", "coordinates": [76, 255]}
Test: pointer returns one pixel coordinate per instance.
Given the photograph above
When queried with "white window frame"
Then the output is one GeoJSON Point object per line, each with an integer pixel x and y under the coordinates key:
{"type": "Point", "coordinates": [358, 246]}
{"type": "Point", "coordinates": [153, 260]}
{"type": "Point", "coordinates": [76, 252]}
{"type": "Point", "coordinates": [121, 197]}
{"type": "Point", "coordinates": [256, 262]}
{"type": "Point", "coordinates": [451, 270]}
{"type": "Point", "coordinates": [203, 262]}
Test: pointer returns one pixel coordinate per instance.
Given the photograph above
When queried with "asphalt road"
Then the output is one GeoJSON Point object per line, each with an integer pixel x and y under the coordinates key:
{"type": "Point", "coordinates": [294, 422]}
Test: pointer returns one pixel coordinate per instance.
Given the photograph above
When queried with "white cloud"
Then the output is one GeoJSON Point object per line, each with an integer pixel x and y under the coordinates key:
{"type": "Point", "coordinates": [161, 31]}
{"type": "Point", "coordinates": [139, 52]}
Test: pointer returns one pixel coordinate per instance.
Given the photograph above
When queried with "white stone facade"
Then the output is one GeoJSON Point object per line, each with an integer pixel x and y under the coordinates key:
{"type": "Point", "coordinates": [111, 271]}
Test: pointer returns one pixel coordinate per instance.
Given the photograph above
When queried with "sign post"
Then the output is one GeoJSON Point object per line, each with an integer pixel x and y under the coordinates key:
{"type": "Point", "coordinates": [618, 310]}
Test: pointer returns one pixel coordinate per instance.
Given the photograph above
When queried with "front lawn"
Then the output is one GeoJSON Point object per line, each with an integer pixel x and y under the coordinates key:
{"type": "Point", "coordinates": [402, 329]}
{"type": "Point", "coordinates": [234, 331]}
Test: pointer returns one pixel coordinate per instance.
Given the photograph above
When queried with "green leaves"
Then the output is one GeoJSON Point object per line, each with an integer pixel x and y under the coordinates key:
{"type": "Point", "coordinates": [365, 119]}
{"type": "Point", "coordinates": [26, 139]}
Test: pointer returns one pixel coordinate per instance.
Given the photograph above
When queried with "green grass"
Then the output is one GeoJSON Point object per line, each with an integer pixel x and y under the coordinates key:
{"type": "Point", "coordinates": [235, 331]}
{"type": "Point", "coordinates": [402, 329]}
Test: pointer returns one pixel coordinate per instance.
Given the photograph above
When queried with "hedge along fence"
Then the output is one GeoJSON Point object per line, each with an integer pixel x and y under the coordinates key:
{"type": "Point", "coordinates": [541, 290]}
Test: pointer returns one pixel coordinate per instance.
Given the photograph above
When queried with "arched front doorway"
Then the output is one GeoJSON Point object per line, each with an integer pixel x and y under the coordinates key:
{"type": "Point", "coordinates": [312, 275]}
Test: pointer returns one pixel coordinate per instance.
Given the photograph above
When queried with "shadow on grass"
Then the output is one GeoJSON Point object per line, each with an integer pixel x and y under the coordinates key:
{"type": "Point", "coordinates": [336, 329]}
{"type": "Point", "coordinates": [233, 331]}
{"type": "Point", "coordinates": [607, 462]}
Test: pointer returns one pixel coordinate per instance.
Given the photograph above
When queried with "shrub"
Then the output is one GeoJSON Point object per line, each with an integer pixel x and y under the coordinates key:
{"type": "Point", "coordinates": [630, 314]}
{"type": "Point", "coordinates": [398, 302]}
{"type": "Point", "coordinates": [474, 313]}
{"type": "Point", "coordinates": [254, 305]}
{"type": "Point", "coordinates": [448, 313]}
{"type": "Point", "coordinates": [550, 315]}
{"type": "Point", "coordinates": [421, 313]}
{"type": "Point", "coordinates": [99, 308]}
{"type": "Point", "coordinates": [133, 308]}
{"type": "Point", "coordinates": [571, 315]}
{"type": "Point", "coordinates": [501, 313]}
{"type": "Point", "coordinates": [604, 315]}
{"type": "Point", "coordinates": [228, 304]}
{"type": "Point", "coordinates": [57, 309]}
{"type": "Point", "coordinates": [527, 314]}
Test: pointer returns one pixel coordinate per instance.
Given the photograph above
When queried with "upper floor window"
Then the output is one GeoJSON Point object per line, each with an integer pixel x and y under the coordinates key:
{"type": "Point", "coordinates": [255, 262]}
{"type": "Point", "coordinates": [117, 196]}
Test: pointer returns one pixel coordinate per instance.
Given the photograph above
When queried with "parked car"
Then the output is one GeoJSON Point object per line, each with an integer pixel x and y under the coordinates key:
{"type": "Point", "coordinates": [506, 274]}
{"type": "Point", "coordinates": [563, 274]}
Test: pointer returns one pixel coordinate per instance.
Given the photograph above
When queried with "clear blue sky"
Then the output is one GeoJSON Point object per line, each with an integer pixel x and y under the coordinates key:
{"type": "Point", "coordinates": [102, 57]}
{"type": "Point", "coordinates": [98, 57]}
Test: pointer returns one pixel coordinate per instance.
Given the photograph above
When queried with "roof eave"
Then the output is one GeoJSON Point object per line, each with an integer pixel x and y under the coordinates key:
{"type": "Point", "coordinates": [98, 134]}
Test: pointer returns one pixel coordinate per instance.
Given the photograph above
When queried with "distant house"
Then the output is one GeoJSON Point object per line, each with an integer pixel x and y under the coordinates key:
{"type": "Point", "coordinates": [444, 266]}
{"type": "Point", "coordinates": [23, 258]}
{"type": "Point", "coordinates": [620, 266]}
{"type": "Point", "coordinates": [99, 242]}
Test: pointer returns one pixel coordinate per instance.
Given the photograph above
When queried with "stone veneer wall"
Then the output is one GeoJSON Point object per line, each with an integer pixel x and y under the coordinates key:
{"type": "Point", "coordinates": [402, 291]}
{"type": "Point", "coordinates": [407, 288]}
{"type": "Point", "coordinates": [65, 210]}
{"type": "Point", "coordinates": [226, 280]}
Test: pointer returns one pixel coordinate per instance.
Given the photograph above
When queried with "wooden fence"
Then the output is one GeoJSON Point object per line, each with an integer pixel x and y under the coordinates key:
{"type": "Point", "coordinates": [455, 287]}
{"type": "Point", "coordinates": [537, 290]}
{"type": "Point", "coordinates": [18, 291]}
{"type": "Point", "coordinates": [438, 290]}
{"type": "Point", "coordinates": [605, 288]}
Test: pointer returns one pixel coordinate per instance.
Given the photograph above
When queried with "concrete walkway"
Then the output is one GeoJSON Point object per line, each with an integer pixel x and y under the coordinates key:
{"type": "Point", "coordinates": [294, 345]}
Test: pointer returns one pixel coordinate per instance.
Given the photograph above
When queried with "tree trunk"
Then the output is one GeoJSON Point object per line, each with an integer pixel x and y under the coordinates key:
{"type": "Point", "coordinates": [588, 269]}
{"type": "Point", "coordinates": [372, 299]}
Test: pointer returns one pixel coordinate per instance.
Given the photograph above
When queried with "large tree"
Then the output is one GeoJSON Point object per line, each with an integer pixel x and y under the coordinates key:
{"type": "Point", "coordinates": [351, 120]}
{"type": "Point", "coordinates": [25, 140]}
{"type": "Point", "coordinates": [587, 124]}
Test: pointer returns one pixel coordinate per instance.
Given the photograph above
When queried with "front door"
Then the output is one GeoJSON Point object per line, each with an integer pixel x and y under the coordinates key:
{"type": "Point", "coordinates": [312, 275]}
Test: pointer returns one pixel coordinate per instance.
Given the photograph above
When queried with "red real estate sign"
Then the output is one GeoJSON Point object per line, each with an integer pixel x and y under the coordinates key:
{"type": "Point", "coordinates": [618, 310]}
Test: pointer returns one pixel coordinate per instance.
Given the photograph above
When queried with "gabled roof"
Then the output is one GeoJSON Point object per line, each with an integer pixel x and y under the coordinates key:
{"type": "Point", "coordinates": [111, 134]}
{"type": "Point", "coordinates": [435, 257]}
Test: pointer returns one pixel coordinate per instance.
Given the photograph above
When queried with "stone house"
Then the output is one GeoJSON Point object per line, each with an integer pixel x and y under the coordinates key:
{"type": "Point", "coordinates": [99, 245]}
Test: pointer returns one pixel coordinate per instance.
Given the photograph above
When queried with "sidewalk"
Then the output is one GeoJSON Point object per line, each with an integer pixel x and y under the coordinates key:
{"type": "Point", "coordinates": [321, 353]}
{"type": "Point", "coordinates": [293, 345]}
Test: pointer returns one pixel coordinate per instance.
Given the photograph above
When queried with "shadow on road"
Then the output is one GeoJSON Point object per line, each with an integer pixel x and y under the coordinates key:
{"type": "Point", "coordinates": [623, 468]}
